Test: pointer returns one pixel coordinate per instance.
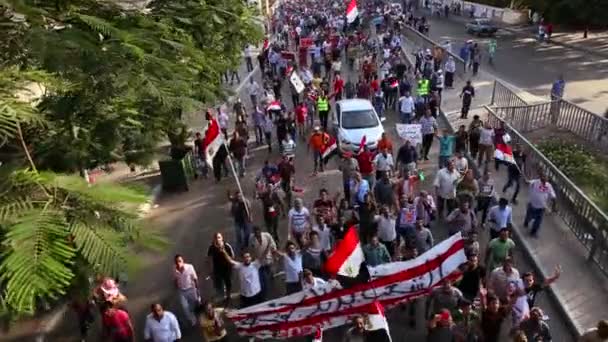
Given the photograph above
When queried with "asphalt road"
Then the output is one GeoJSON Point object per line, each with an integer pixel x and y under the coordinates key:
{"type": "Point", "coordinates": [532, 66]}
{"type": "Point", "coordinates": [190, 219]}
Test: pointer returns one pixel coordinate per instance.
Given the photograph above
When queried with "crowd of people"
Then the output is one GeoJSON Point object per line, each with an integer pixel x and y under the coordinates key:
{"type": "Point", "coordinates": [384, 197]}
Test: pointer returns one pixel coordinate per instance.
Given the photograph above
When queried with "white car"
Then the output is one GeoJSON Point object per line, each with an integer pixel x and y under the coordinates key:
{"type": "Point", "coordinates": [355, 119]}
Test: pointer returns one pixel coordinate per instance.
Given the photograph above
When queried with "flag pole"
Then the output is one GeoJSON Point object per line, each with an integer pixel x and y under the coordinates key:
{"type": "Point", "coordinates": [236, 178]}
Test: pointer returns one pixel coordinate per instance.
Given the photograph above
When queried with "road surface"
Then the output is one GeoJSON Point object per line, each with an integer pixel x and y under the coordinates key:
{"type": "Point", "coordinates": [532, 66]}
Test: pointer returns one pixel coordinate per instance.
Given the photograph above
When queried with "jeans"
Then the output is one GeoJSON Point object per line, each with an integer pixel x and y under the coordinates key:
{"type": "Point", "coordinates": [188, 299]}
{"type": "Point", "coordinates": [513, 180]}
{"type": "Point", "coordinates": [259, 134]}
{"type": "Point", "coordinates": [443, 161]}
{"type": "Point", "coordinates": [318, 158]}
{"type": "Point", "coordinates": [239, 165]}
{"type": "Point", "coordinates": [371, 180]}
{"type": "Point", "coordinates": [268, 136]}
{"type": "Point", "coordinates": [483, 205]}
{"type": "Point", "coordinates": [406, 118]}
{"type": "Point", "coordinates": [249, 63]}
{"type": "Point", "coordinates": [536, 215]}
{"type": "Point", "coordinates": [448, 203]}
{"type": "Point", "coordinates": [265, 279]}
{"type": "Point", "coordinates": [241, 233]}
{"type": "Point", "coordinates": [254, 100]}
{"type": "Point", "coordinates": [272, 225]}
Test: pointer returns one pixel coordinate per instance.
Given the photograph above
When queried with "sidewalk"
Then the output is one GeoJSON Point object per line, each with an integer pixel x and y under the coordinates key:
{"type": "Point", "coordinates": [580, 293]}
{"type": "Point", "coordinates": [596, 42]}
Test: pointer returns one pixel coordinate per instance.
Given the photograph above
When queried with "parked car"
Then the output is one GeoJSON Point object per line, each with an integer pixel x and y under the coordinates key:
{"type": "Point", "coordinates": [353, 119]}
{"type": "Point", "coordinates": [480, 27]}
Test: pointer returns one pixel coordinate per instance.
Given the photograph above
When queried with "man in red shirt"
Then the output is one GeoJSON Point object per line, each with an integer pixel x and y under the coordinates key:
{"type": "Point", "coordinates": [116, 324]}
{"type": "Point", "coordinates": [338, 87]}
{"type": "Point", "coordinates": [366, 166]}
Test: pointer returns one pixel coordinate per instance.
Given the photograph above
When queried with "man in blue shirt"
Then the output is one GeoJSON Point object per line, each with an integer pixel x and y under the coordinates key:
{"type": "Point", "coordinates": [446, 148]}
{"type": "Point", "coordinates": [557, 89]}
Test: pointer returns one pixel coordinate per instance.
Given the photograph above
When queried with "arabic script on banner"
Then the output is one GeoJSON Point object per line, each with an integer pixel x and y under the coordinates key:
{"type": "Point", "coordinates": [411, 132]}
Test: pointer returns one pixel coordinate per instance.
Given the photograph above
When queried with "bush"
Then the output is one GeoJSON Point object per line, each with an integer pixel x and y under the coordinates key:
{"type": "Point", "coordinates": [582, 167]}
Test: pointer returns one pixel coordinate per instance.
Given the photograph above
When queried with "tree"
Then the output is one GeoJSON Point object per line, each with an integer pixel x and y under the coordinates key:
{"type": "Point", "coordinates": [132, 72]}
{"type": "Point", "coordinates": [51, 225]}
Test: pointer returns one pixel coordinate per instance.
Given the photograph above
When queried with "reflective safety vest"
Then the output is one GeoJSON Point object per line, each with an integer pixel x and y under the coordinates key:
{"type": "Point", "coordinates": [424, 87]}
{"type": "Point", "coordinates": [322, 104]}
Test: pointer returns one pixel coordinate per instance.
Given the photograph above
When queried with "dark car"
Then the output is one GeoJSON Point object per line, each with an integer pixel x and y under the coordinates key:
{"type": "Point", "coordinates": [480, 27]}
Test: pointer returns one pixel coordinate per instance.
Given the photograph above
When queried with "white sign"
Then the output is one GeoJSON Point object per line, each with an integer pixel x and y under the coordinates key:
{"type": "Point", "coordinates": [296, 82]}
{"type": "Point", "coordinates": [411, 132]}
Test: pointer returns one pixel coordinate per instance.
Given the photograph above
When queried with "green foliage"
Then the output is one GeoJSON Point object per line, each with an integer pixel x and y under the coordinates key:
{"type": "Point", "coordinates": [587, 171]}
{"type": "Point", "coordinates": [131, 73]}
{"type": "Point", "coordinates": [55, 229]}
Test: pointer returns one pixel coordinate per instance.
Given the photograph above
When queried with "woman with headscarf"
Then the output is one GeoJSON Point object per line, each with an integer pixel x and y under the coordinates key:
{"type": "Point", "coordinates": [450, 69]}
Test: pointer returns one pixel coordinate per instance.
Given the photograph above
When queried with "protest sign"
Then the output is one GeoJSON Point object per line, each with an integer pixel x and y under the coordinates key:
{"type": "Point", "coordinates": [296, 82]}
{"type": "Point", "coordinates": [411, 132]}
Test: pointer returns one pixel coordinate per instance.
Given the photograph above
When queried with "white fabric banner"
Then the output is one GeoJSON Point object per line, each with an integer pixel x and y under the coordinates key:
{"type": "Point", "coordinates": [303, 313]}
{"type": "Point", "coordinates": [411, 132]}
{"type": "Point", "coordinates": [296, 82]}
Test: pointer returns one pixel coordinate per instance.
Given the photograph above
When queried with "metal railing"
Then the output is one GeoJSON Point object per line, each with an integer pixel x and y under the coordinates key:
{"type": "Point", "coordinates": [583, 217]}
{"type": "Point", "coordinates": [503, 96]}
{"type": "Point", "coordinates": [559, 114]}
{"type": "Point", "coordinates": [424, 42]}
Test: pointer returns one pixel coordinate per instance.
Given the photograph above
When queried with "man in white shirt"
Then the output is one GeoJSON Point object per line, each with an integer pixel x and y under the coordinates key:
{"type": "Point", "coordinates": [292, 266]}
{"type": "Point", "coordinates": [406, 108]}
{"type": "Point", "coordinates": [501, 277]}
{"type": "Point", "coordinates": [298, 222]}
{"type": "Point", "coordinates": [460, 162]}
{"type": "Point", "coordinates": [539, 193]}
{"type": "Point", "coordinates": [253, 89]}
{"type": "Point", "coordinates": [249, 279]}
{"type": "Point", "coordinates": [261, 245]}
{"type": "Point", "coordinates": [499, 217]}
{"type": "Point", "coordinates": [445, 187]}
{"type": "Point", "coordinates": [309, 281]}
{"type": "Point", "coordinates": [386, 229]}
{"type": "Point", "coordinates": [248, 60]}
{"type": "Point", "coordinates": [383, 163]}
{"type": "Point", "coordinates": [161, 326]}
{"type": "Point", "coordinates": [186, 282]}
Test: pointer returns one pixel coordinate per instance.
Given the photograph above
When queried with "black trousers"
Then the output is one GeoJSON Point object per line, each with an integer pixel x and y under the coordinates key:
{"type": "Point", "coordinates": [427, 142]}
{"type": "Point", "coordinates": [323, 117]}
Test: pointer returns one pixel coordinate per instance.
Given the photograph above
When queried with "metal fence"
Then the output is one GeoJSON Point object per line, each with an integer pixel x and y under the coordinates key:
{"type": "Point", "coordinates": [422, 41]}
{"type": "Point", "coordinates": [559, 114]}
{"type": "Point", "coordinates": [585, 219]}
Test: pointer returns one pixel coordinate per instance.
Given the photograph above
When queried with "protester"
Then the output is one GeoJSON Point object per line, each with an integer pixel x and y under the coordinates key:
{"type": "Point", "coordinates": [161, 325]}
{"type": "Point", "coordinates": [221, 269]}
{"type": "Point", "coordinates": [212, 324]}
{"type": "Point", "coordinates": [186, 283]}
{"type": "Point", "coordinates": [116, 324]}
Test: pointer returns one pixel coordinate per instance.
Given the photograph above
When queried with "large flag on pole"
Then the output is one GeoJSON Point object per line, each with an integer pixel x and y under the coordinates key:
{"type": "Point", "coordinates": [329, 147]}
{"type": "Point", "coordinates": [347, 257]}
{"type": "Point", "coordinates": [351, 11]}
{"type": "Point", "coordinates": [213, 140]}
{"type": "Point", "coordinates": [304, 313]}
{"type": "Point", "coordinates": [377, 325]}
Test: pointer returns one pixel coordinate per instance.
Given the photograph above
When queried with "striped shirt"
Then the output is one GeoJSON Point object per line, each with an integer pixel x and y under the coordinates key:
{"type": "Point", "coordinates": [299, 219]}
{"type": "Point", "coordinates": [289, 147]}
{"type": "Point", "coordinates": [428, 125]}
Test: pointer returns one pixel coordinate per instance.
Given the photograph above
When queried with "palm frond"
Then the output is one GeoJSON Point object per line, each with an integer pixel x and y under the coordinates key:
{"type": "Point", "coordinates": [101, 247]}
{"type": "Point", "coordinates": [36, 258]}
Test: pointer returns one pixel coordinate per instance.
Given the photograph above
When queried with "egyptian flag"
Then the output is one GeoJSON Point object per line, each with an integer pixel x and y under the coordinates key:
{"type": "Point", "coordinates": [329, 149]}
{"type": "Point", "coordinates": [212, 141]}
{"type": "Point", "coordinates": [351, 11]}
{"type": "Point", "coordinates": [393, 82]}
{"type": "Point", "coordinates": [376, 324]}
{"type": "Point", "coordinates": [347, 256]}
{"type": "Point", "coordinates": [505, 153]}
{"type": "Point", "coordinates": [274, 106]}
